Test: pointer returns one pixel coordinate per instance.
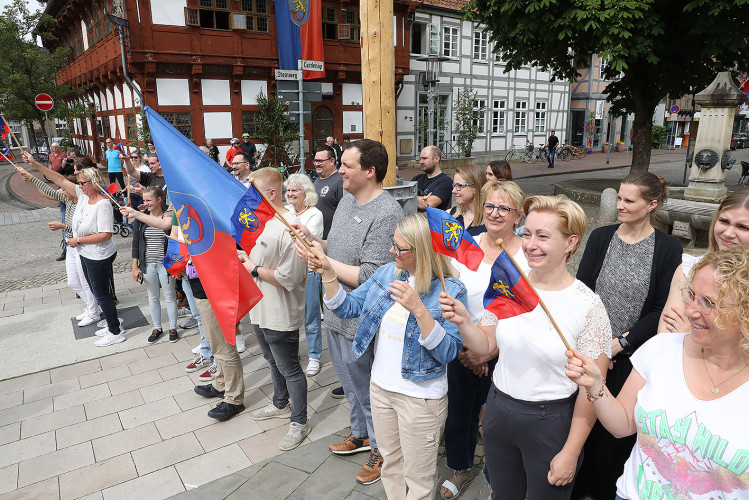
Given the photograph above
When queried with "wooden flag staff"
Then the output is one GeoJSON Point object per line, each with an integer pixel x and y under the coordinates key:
{"type": "Point", "coordinates": [280, 216]}
{"type": "Point", "coordinates": [540, 300]}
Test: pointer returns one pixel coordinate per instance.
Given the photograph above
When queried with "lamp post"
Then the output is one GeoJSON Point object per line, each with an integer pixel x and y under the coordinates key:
{"type": "Point", "coordinates": [432, 78]}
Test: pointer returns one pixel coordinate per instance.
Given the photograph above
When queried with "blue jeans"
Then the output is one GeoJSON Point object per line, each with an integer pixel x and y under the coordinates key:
{"type": "Point", "coordinates": [312, 328]}
{"type": "Point", "coordinates": [154, 276]}
{"type": "Point", "coordinates": [620, 498]}
{"type": "Point", "coordinates": [205, 346]}
{"type": "Point", "coordinates": [550, 153]}
{"type": "Point", "coordinates": [281, 351]}
{"type": "Point", "coordinates": [98, 274]}
{"type": "Point", "coordinates": [354, 374]}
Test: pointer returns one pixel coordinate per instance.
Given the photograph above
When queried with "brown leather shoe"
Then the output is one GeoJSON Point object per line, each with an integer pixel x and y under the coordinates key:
{"type": "Point", "coordinates": [350, 445]}
{"type": "Point", "coordinates": [370, 472]}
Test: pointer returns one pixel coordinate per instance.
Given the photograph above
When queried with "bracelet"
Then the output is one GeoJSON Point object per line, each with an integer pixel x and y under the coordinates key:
{"type": "Point", "coordinates": [593, 397]}
{"type": "Point", "coordinates": [331, 280]}
{"type": "Point", "coordinates": [78, 239]}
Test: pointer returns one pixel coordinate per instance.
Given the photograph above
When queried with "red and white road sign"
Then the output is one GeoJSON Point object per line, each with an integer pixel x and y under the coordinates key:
{"type": "Point", "coordinates": [44, 102]}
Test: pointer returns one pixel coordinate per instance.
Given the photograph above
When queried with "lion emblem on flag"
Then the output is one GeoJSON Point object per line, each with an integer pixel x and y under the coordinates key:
{"type": "Point", "coordinates": [248, 219]}
{"type": "Point", "coordinates": [452, 234]}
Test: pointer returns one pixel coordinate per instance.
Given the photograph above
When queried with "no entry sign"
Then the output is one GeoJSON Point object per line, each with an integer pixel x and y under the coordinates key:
{"type": "Point", "coordinates": [44, 102]}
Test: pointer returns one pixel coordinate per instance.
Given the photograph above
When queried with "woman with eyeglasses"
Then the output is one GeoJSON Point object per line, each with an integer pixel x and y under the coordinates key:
{"type": "Point", "coordinates": [399, 311]}
{"type": "Point", "coordinates": [467, 184]}
{"type": "Point", "coordinates": [469, 375]}
{"type": "Point", "coordinates": [729, 228]}
{"type": "Point", "coordinates": [93, 223]}
{"type": "Point", "coordinates": [302, 197]}
{"type": "Point", "coordinates": [629, 265]}
{"type": "Point", "coordinates": [688, 393]}
{"type": "Point", "coordinates": [536, 421]}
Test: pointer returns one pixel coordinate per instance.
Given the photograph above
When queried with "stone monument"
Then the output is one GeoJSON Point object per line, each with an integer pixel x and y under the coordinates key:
{"type": "Point", "coordinates": [707, 179]}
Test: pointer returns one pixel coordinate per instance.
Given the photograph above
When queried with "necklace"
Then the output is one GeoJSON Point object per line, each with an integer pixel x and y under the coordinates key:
{"type": "Point", "coordinates": [715, 389]}
{"type": "Point", "coordinates": [300, 213]}
{"type": "Point", "coordinates": [561, 285]}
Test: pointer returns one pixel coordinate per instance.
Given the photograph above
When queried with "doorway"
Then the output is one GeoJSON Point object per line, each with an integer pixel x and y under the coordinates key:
{"type": "Point", "coordinates": [322, 126]}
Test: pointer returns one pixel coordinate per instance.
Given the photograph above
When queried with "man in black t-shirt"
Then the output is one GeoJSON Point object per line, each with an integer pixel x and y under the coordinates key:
{"type": "Point", "coordinates": [434, 186]}
{"type": "Point", "coordinates": [551, 148]}
{"type": "Point", "coordinates": [248, 147]}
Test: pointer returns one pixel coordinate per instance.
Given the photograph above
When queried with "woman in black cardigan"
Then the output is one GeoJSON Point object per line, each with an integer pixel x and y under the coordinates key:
{"type": "Point", "coordinates": [629, 265]}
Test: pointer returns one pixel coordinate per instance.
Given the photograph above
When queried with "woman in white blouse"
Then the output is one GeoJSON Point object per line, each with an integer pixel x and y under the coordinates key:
{"type": "Point", "coordinates": [302, 198]}
{"type": "Point", "coordinates": [536, 421]}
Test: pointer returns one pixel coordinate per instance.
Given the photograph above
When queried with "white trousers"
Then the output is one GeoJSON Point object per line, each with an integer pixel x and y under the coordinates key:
{"type": "Point", "coordinates": [77, 281]}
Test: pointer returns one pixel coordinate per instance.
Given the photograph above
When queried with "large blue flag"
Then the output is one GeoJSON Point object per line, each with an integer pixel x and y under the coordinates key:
{"type": "Point", "coordinates": [204, 196]}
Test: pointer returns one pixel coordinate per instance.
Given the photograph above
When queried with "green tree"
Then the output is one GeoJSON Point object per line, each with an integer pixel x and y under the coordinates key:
{"type": "Point", "coordinates": [26, 69]}
{"type": "Point", "coordinates": [276, 131]}
{"type": "Point", "coordinates": [660, 47]}
{"type": "Point", "coordinates": [467, 114]}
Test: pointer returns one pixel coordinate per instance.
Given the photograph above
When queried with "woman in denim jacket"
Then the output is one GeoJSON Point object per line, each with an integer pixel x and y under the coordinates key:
{"type": "Point", "coordinates": [398, 308]}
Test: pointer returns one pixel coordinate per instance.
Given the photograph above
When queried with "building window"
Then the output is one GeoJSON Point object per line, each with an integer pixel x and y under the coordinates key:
{"type": "Point", "coordinates": [480, 109]}
{"type": "Point", "coordinates": [450, 41]}
{"type": "Point", "coordinates": [90, 29]}
{"type": "Point", "coordinates": [521, 117]}
{"type": "Point", "coordinates": [352, 19]}
{"type": "Point", "coordinates": [180, 121]}
{"type": "Point", "coordinates": [499, 116]}
{"type": "Point", "coordinates": [480, 45]}
{"type": "Point", "coordinates": [96, 14]}
{"type": "Point", "coordinates": [434, 40]}
{"type": "Point", "coordinates": [329, 23]}
{"type": "Point", "coordinates": [602, 65]}
{"type": "Point", "coordinates": [131, 128]}
{"type": "Point", "coordinates": [257, 14]}
{"type": "Point", "coordinates": [214, 14]}
{"type": "Point", "coordinates": [419, 38]}
{"type": "Point", "coordinates": [249, 122]}
{"type": "Point", "coordinates": [105, 18]}
{"type": "Point", "coordinates": [539, 123]}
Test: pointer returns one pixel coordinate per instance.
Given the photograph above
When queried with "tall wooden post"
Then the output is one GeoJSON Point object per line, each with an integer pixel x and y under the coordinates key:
{"type": "Point", "coordinates": [378, 76]}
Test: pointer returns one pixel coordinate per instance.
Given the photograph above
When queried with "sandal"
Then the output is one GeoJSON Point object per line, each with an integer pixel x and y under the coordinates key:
{"type": "Point", "coordinates": [456, 488]}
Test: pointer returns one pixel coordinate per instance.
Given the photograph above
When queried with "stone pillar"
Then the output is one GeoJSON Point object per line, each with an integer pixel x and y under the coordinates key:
{"type": "Point", "coordinates": [707, 179]}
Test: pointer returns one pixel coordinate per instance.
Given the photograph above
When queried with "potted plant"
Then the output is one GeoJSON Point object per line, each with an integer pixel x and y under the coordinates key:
{"type": "Point", "coordinates": [620, 147]}
{"type": "Point", "coordinates": [467, 115]}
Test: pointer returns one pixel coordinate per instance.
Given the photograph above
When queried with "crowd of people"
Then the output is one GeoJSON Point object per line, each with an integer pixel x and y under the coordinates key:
{"type": "Point", "coordinates": [646, 402]}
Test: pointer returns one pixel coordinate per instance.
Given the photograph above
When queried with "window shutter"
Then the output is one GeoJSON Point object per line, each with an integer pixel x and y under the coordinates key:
{"type": "Point", "coordinates": [191, 17]}
{"type": "Point", "coordinates": [344, 31]}
{"type": "Point", "coordinates": [238, 22]}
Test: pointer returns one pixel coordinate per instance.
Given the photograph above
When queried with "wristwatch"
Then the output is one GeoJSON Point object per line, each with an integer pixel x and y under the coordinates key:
{"type": "Point", "coordinates": [624, 343]}
{"type": "Point", "coordinates": [78, 240]}
{"type": "Point", "coordinates": [254, 272]}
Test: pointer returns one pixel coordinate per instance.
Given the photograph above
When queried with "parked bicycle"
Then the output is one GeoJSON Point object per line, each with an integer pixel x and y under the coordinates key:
{"type": "Point", "coordinates": [541, 153]}
{"type": "Point", "coordinates": [522, 153]}
{"type": "Point", "coordinates": [568, 152]}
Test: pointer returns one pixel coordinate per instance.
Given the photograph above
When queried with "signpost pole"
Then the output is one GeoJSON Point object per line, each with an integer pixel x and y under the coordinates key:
{"type": "Point", "coordinates": [301, 117]}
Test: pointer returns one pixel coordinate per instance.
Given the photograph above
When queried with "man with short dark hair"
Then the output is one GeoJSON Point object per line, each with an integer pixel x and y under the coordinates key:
{"type": "Point", "coordinates": [240, 166]}
{"type": "Point", "coordinates": [434, 186]}
{"type": "Point", "coordinates": [551, 148]}
{"type": "Point", "coordinates": [358, 243]}
{"type": "Point", "coordinates": [248, 147]}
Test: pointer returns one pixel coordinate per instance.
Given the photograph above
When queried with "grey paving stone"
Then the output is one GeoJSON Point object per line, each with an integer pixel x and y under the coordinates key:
{"type": "Point", "coordinates": [47, 489]}
{"type": "Point", "coordinates": [220, 488]}
{"type": "Point", "coordinates": [166, 453]}
{"type": "Point", "coordinates": [52, 421]}
{"type": "Point", "coordinates": [11, 399]}
{"type": "Point", "coordinates": [8, 478]}
{"type": "Point", "coordinates": [212, 465]}
{"type": "Point", "coordinates": [308, 457]}
{"type": "Point", "coordinates": [10, 433]}
{"type": "Point", "coordinates": [272, 481]}
{"type": "Point", "coordinates": [55, 463]}
{"type": "Point", "coordinates": [24, 411]}
{"type": "Point", "coordinates": [126, 441]}
{"type": "Point", "coordinates": [50, 390]}
{"type": "Point", "coordinates": [334, 478]}
{"type": "Point", "coordinates": [157, 485]}
{"type": "Point", "coordinates": [88, 430]}
{"type": "Point", "coordinates": [25, 382]}
{"type": "Point", "coordinates": [97, 477]}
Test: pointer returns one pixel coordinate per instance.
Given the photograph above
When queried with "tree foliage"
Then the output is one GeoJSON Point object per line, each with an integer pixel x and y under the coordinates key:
{"type": "Point", "coordinates": [467, 114]}
{"type": "Point", "coordinates": [275, 130]}
{"type": "Point", "coordinates": [26, 69]}
{"type": "Point", "coordinates": [660, 47]}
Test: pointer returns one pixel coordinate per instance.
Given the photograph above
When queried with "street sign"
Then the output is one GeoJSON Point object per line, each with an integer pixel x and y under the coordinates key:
{"type": "Point", "coordinates": [44, 102]}
{"type": "Point", "coordinates": [313, 65]}
{"type": "Point", "coordinates": [290, 95]}
{"type": "Point", "coordinates": [675, 108]}
{"type": "Point", "coordinates": [294, 107]}
{"type": "Point", "coordinates": [286, 74]}
{"type": "Point", "coordinates": [294, 117]}
{"type": "Point", "coordinates": [284, 86]}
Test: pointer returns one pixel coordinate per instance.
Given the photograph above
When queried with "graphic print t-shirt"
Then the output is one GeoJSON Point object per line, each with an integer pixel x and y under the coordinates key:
{"type": "Point", "coordinates": [686, 448]}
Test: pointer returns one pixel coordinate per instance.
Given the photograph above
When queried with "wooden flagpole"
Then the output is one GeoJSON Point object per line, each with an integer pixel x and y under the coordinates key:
{"type": "Point", "coordinates": [105, 193]}
{"type": "Point", "coordinates": [439, 268]}
{"type": "Point", "coordinates": [11, 146]}
{"type": "Point", "coordinates": [540, 300]}
{"type": "Point", "coordinates": [280, 216]}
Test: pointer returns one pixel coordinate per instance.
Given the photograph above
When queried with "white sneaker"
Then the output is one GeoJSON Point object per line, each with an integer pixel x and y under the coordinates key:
{"type": "Point", "coordinates": [82, 315]}
{"type": "Point", "coordinates": [103, 332]}
{"type": "Point", "coordinates": [241, 347]}
{"type": "Point", "coordinates": [295, 436]}
{"type": "Point", "coordinates": [196, 349]}
{"type": "Point", "coordinates": [183, 312]}
{"type": "Point", "coordinates": [110, 339]}
{"type": "Point", "coordinates": [88, 320]}
{"type": "Point", "coordinates": [313, 367]}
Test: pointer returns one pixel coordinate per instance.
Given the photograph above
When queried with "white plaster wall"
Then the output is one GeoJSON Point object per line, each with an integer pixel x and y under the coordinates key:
{"type": "Point", "coordinates": [250, 90]}
{"type": "Point", "coordinates": [113, 128]}
{"type": "Point", "coordinates": [110, 99]}
{"type": "Point", "coordinates": [222, 153]}
{"type": "Point", "coordinates": [168, 12]}
{"type": "Point", "coordinates": [215, 93]}
{"type": "Point", "coordinates": [117, 97]}
{"type": "Point", "coordinates": [121, 124]}
{"type": "Point", "coordinates": [352, 122]}
{"type": "Point", "coordinates": [127, 96]}
{"type": "Point", "coordinates": [173, 91]}
{"type": "Point", "coordinates": [97, 104]}
{"type": "Point", "coordinates": [88, 128]}
{"type": "Point", "coordinates": [217, 125]}
{"type": "Point", "coordinates": [84, 31]}
{"type": "Point", "coordinates": [351, 94]}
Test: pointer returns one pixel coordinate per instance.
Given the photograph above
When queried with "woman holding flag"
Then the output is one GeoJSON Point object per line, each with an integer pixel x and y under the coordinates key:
{"type": "Point", "coordinates": [399, 311]}
{"type": "Point", "coordinates": [536, 421]}
{"type": "Point", "coordinates": [93, 223]}
{"type": "Point", "coordinates": [469, 375]}
{"type": "Point", "coordinates": [149, 248]}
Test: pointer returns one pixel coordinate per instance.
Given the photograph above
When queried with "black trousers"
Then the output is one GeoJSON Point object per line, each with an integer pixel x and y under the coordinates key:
{"type": "Point", "coordinates": [520, 440]}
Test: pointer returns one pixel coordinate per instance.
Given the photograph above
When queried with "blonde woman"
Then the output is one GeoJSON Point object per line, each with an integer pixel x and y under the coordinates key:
{"type": "Point", "coordinates": [688, 393]}
{"type": "Point", "coordinates": [467, 184]}
{"type": "Point", "coordinates": [399, 311]}
{"type": "Point", "coordinates": [536, 421]}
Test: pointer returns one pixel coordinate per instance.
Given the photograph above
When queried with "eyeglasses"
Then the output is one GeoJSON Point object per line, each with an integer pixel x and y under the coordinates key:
{"type": "Point", "coordinates": [458, 187]}
{"type": "Point", "coordinates": [502, 211]}
{"type": "Point", "coordinates": [399, 250]}
{"type": "Point", "coordinates": [108, 142]}
{"type": "Point", "coordinates": [704, 304]}
{"type": "Point", "coordinates": [238, 163]}
{"type": "Point", "coordinates": [135, 157]}
{"type": "Point", "coordinates": [317, 160]}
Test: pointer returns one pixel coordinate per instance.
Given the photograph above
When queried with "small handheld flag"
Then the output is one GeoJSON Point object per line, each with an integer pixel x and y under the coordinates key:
{"type": "Point", "coordinates": [5, 153]}
{"type": "Point", "coordinates": [4, 129]}
{"type": "Point", "coordinates": [508, 294]}
{"type": "Point", "coordinates": [111, 189]}
{"type": "Point", "coordinates": [450, 238]}
{"type": "Point", "coordinates": [176, 257]}
{"type": "Point", "coordinates": [118, 147]}
{"type": "Point", "coordinates": [249, 218]}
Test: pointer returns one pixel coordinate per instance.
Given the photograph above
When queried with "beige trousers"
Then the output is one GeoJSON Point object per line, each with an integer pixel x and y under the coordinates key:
{"type": "Point", "coordinates": [229, 375]}
{"type": "Point", "coordinates": [408, 433]}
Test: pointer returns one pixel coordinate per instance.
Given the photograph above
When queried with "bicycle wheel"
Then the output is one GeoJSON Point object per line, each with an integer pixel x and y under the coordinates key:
{"type": "Point", "coordinates": [527, 157]}
{"type": "Point", "coordinates": [564, 154]}
{"type": "Point", "coordinates": [578, 153]}
{"type": "Point", "coordinates": [509, 155]}
{"type": "Point", "coordinates": [124, 231]}
{"type": "Point", "coordinates": [542, 156]}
